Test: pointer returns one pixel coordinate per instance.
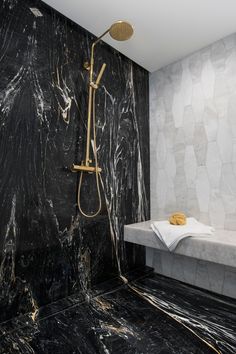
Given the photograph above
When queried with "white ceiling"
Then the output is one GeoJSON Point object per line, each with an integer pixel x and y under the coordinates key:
{"type": "Point", "coordinates": [165, 30]}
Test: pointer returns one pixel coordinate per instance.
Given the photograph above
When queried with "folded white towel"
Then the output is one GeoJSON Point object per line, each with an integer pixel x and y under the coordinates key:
{"type": "Point", "coordinates": [171, 235]}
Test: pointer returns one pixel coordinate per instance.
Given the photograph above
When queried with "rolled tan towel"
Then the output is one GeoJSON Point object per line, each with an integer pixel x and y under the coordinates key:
{"type": "Point", "coordinates": [177, 219]}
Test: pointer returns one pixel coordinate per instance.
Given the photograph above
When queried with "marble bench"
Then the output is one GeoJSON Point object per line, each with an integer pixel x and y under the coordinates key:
{"type": "Point", "coordinates": [209, 263]}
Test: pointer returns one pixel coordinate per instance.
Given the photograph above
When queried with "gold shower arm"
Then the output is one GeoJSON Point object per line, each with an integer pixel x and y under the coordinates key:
{"type": "Point", "coordinates": [92, 53]}
{"type": "Point", "coordinates": [99, 38]}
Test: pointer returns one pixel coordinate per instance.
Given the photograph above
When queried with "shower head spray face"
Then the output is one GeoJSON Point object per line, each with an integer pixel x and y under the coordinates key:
{"type": "Point", "coordinates": [121, 31]}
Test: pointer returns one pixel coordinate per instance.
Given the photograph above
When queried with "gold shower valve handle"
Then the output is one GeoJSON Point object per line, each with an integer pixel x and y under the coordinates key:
{"type": "Point", "coordinates": [82, 168]}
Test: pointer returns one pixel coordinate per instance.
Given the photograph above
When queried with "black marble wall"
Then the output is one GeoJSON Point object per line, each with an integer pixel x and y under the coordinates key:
{"type": "Point", "coordinates": [47, 250]}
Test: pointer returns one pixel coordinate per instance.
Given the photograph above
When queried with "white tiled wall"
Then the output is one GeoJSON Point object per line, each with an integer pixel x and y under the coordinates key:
{"type": "Point", "coordinates": [193, 136]}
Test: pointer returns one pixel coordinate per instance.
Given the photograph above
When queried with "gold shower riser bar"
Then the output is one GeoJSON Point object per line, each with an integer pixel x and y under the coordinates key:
{"type": "Point", "coordinates": [82, 168]}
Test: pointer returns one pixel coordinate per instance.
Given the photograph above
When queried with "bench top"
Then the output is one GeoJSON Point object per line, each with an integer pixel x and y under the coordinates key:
{"type": "Point", "coordinates": [219, 248]}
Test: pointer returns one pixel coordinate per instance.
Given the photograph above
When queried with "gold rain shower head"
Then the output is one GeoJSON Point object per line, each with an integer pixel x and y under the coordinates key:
{"type": "Point", "coordinates": [121, 31]}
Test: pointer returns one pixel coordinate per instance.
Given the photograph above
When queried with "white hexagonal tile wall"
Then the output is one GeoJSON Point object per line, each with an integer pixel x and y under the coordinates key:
{"type": "Point", "coordinates": [225, 141]}
{"type": "Point", "coordinates": [213, 164]}
{"type": "Point", "coordinates": [210, 120]}
{"type": "Point", "coordinates": [200, 144]}
{"type": "Point", "coordinates": [161, 149]}
{"type": "Point", "coordinates": [190, 166]}
{"type": "Point", "coordinates": [198, 101]}
{"type": "Point", "coordinates": [170, 165]}
{"type": "Point", "coordinates": [208, 79]}
{"type": "Point", "coordinates": [228, 181]}
{"type": "Point", "coordinates": [216, 210]}
{"type": "Point", "coordinates": [161, 188]}
{"type": "Point", "coordinates": [188, 124]}
{"type": "Point", "coordinates": [195, 118]}
{"type": "Point", "coordinates": [232, 114]}
{"type": "Point", "coordinates": [178, 109]}
{"type": "Point", "coordinates": [203, 189]}
{"type": "Point", "coordinates": [186, 84]}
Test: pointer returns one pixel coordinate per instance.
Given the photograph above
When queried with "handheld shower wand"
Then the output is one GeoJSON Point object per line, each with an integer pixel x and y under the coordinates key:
{"type": "Point", "coordinates": [119, 31]}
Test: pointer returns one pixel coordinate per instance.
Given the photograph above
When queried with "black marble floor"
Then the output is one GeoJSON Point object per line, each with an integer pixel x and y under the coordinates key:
{"type": "Point", "coordinates": [121, 321]}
